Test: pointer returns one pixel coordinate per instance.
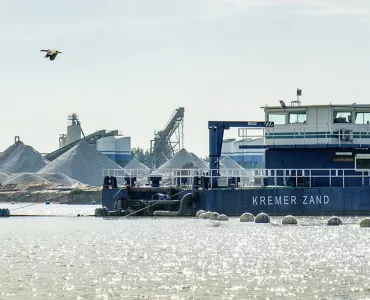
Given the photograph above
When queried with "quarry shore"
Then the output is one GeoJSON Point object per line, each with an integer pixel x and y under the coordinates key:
{"type": "Point", "coordinates": [62, 196]}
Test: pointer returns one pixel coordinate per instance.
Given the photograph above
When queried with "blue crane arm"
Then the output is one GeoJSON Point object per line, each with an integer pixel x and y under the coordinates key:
{"type": "Point", "coordinates": [216, 135]}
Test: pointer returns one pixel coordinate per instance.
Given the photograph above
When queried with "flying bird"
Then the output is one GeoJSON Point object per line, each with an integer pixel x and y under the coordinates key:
{"type": "Point", "coordinates": [51, 53]}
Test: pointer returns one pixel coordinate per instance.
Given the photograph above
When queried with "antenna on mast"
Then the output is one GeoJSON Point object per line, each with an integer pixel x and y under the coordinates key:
{"type": "Point", "coordinates": [297, 102]}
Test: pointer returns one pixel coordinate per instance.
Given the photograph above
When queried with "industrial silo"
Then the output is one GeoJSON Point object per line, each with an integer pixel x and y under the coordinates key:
{"type": "Point", "coordinates": [123, 150]}
{"type": "Point", "coordinates": [73, 129]}
{"type": "Point", "coordinates": [107, 146]}
{"type": "Point", "coordinates": [117, 148]}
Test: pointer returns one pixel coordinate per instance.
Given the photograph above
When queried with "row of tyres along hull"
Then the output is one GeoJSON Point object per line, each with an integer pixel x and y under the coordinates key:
{"type": "Point", "coordinates": [281, 201]}
{"type": "Point", "coordinates": [275, 201]}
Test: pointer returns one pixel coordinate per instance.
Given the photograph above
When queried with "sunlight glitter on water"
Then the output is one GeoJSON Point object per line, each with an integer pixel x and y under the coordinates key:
{"type": "Point", "coordinates": [183, 258]}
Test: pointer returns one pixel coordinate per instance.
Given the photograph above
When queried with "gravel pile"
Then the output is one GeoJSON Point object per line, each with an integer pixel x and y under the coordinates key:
{"type": "Point", "coordinates": [21, 158]}
{"type": "Point", "coordinates": [83, 163]}
{"type": "Point", "coordinates": [183, 159]}
{"type": "Point", "coordinates": [60, 179]}
{"type": "Point", "coordinates": [27, 179]}
{"type": "Point", "coordinates": [4, 177]}
{"type": "Point", "coordinates": [136, 168]}
{"type": "Point", "coordinates": [230, 168]}
{"type": "Point", "coordinates": [134, 164]}
{"type": "Point", "coordinates": [229, 163]}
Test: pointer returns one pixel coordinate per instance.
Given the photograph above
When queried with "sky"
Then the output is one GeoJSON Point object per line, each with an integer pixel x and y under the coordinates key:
{"type": "Point", "coordinates": [128, 64]}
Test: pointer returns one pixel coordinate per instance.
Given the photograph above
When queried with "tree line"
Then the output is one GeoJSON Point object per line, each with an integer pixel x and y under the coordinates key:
{"type": "Point", "coordinates": [141, 155]}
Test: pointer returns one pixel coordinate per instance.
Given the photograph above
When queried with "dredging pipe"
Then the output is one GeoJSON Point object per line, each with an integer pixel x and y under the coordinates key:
{"type": "Point", "coordinates": [185, 202]}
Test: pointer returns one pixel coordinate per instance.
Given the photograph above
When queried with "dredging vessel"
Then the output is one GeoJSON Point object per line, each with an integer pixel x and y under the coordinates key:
{"type": "Point", "coordinates": [317, 162]}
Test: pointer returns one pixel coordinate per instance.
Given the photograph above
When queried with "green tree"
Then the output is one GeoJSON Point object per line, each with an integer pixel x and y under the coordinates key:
{"type": "Point", "coordinates": [141, 155]}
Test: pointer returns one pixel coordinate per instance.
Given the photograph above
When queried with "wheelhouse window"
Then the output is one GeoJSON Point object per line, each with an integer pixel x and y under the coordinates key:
{"type": "Point", "coordinates": [362, 118]}
{"type": "Point", "coordinates": [342, 117]}
{"type": "Point", "coordinates": [298, 118]}
{"type": "Point", "coordinates": [278, 119]}
{"type": "Point", "coordinates": [362, 161]}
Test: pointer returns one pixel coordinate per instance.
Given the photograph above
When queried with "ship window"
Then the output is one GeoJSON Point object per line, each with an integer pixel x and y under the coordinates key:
{"type": "Point", "coordinates": [342, 117]}
{"type": "Point", "coordinates": [363, 161]}
{"type": "Point", "coordinates": [278, 119]}
{"type": "Point", "coordinates": [298, 118]}
{"type": "Point", "coordinates": [362, 118]}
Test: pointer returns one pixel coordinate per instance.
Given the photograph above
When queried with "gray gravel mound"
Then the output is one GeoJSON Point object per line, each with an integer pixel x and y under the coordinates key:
{"type": "Point", "coordinates": [4, 177]}
{"type": "Point", "coordinates": [83, 163]}
{"type": "Point", "coordinates": [60, 179]}
{"type": "Point", "coordinates": [26, 179]}
{"type": "Point", "coordinates": [181, 159]}
{"type": "Point", "coordinates": [136, 168]}
{"type": "Point", "coordinates": [134, 164]}
{"type": "Point", "coordinates": [229, 167]}
{"type": "Point", "coordinates": [54, 179]}
{"type": "Point", "coordinates": [229, 163]}
{"type": "Point", "coordinates": [21, 158]}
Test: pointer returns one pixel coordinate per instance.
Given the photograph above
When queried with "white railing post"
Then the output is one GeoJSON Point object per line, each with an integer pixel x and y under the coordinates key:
{"type": "Point", "coordinates": [343, 177]}
{"type": "Point", "coordinates": [296, 177]}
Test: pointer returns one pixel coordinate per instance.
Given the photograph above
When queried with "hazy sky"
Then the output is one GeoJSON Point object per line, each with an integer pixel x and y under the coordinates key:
{"type": "Point", "coordinates": [128, 64]}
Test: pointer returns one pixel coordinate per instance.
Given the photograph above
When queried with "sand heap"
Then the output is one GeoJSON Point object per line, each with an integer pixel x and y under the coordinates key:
{"type": "Point", "coordinates": [40, 181]}
{"type": "Point", "coordinates": [56, 179]}
{"type": "Point", "coordinates": [21, 158]}
{"type": "Point", "coordinates": [183, 160]}
{"type": "Point", "coordinates": [83, 163]}
{"type": "Point", "coordinates": [26, 179]}
{"type": "Point", "coordinates": [134, 167]}
{"type": "Point", "coordinates": [229, 167]}
{"type": "Point", "coordinates": [60, 179]}
{"type": "Point", "coordinates": [229, 163]}
{"type": "Point", "coordinates": [134, 164]}
{"type": "Point", "coordinates": [4, 177]}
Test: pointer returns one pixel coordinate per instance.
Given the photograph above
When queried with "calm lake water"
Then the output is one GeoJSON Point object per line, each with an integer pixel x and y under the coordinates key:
{"type": "Point", "coordinates": [69, 257]}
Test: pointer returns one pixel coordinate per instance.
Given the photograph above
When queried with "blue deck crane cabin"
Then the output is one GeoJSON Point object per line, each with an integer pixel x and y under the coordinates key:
{"type": "Point", "coordinates": [317, 162]}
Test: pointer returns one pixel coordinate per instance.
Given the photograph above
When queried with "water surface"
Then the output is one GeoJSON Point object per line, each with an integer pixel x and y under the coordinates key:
{"type": "Point", "coordinates": [70, 257]}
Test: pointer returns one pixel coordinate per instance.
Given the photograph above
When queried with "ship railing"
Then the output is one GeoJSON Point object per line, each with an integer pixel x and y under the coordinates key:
{"type": "Point", "coordinates": [121, 173]}
{"type": "Point", "coordinates": [302, 134]}
{"type": "Point", "coordinates": [245, 177]}
{"type": "Point", "coordinates": [311, 177]}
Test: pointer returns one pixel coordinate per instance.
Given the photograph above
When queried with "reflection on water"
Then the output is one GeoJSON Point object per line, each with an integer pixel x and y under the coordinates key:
{"type": "Point", "coordinates": [183, 258]}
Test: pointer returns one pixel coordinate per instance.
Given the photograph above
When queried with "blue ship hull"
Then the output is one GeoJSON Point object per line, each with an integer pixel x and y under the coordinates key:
{"type": "Point", "coordinates": [298, 201]}
{"type": "Point", "coordinates": [275, 201]}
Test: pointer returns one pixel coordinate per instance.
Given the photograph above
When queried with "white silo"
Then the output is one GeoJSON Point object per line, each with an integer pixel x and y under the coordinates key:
{"type": "Point", "coordinates": [123, 150]}
{"type": "Point", "coordinates": [62, 140]}
{"type": "Point", "coordinates": [73, 129]}
{"type": "Point", "coordinates": [107, 146]}
{"type": "Point", "coordinates": [117, 148]}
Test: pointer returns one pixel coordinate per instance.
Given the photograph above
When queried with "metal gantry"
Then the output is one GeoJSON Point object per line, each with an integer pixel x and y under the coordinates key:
{"type": "Point", "coordinates": [162, 148]}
